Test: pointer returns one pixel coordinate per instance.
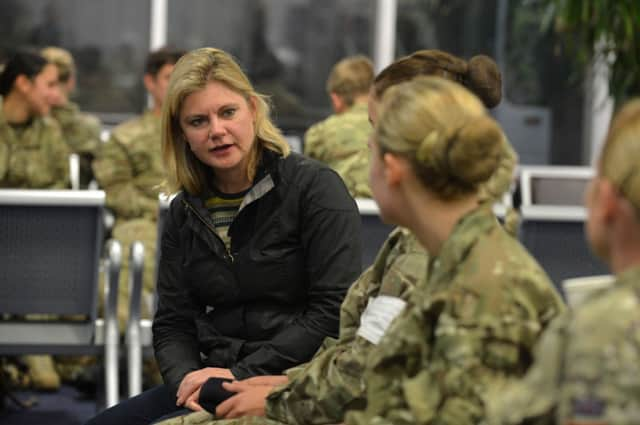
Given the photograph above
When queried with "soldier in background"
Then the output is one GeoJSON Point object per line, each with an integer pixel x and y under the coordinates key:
{"type": "Point", "coordinates": [129, 168]}
{"type": "Point", "coordinates": [340, 141]}
{"type": "Point", "coordinates": [81, 131]}
{"type": "Point", "coordinates": [587, 363]}
{"type": "Point", "coordinates": [32, 153]}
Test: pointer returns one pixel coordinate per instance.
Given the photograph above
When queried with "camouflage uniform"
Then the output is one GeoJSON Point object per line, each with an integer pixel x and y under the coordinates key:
{"type": "Point", "coordinates": [500, 183]}
{"type": "Point", "coordinates": [82, 133]}
{"type": "Point", "coordinates": [587, 365]}
{"type": "Point", "coordinates": [129, 168]}
{"type": "Point", "coordinates": [473, 327]}
{"type": "Point", "coordinates": [320, 391]}
{"type": "Point", "coordinates": [33, 156]}
{"type": "Point", "coordinates": [340, 141]}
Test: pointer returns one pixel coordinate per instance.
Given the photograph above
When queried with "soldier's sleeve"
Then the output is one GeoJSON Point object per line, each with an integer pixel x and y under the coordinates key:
{"type": "Point", "coordinates": [115, 174]}
{"type": "Point", "coordinates": [4, 159]}
{"type": "Point", "coordinates": [532, 400]}
{"type": "Point", "coordinates": [500, 182]}
{"type": "Point", "coordinates": [58, 157]}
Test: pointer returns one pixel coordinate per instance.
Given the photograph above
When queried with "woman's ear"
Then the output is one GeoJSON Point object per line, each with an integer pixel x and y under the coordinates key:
{"type": "Point", "coordinates": [395, 168]}
{"type": "Point", "coordinates": [22, 83]}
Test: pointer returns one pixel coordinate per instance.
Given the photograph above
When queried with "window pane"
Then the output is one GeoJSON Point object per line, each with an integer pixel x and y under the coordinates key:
{"type": "Point", "coordinates": [108, 39]}
{"type": "Point", "coordinates": [541, 110]}
{"type": "Point", "coordinates": [287, 47]}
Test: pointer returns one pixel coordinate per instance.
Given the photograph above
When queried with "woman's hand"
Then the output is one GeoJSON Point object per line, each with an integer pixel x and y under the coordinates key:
{"type": "Point", "coordinates": [250, 400]}
{"type": "Point", "coordinates": [192, 382]}
{"type": "Point", "coordinates": [270, 380]}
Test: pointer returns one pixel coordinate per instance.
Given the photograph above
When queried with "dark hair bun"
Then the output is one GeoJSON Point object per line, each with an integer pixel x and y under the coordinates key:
{"type": "Point", "coordinates": [484, 79]}
{"type": "Point", "coordinates": [474, 152]}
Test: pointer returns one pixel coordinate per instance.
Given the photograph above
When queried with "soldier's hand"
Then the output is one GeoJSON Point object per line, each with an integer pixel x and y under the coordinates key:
{"type": "Point", "coordinates": [250, 400]}
{"type": "Point", "coordinates": [194, 380]}
{"type": "Point", "coordinates": [193, 401]}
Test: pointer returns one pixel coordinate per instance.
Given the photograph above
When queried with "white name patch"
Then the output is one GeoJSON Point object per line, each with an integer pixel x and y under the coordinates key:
{"type": "Point", "coordinates": [377, 317]}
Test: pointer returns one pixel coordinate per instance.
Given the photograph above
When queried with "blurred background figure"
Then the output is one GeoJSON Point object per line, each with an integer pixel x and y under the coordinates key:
{"type": "Point", "coordinates": [32, 153]}
{"type": "Point", "coordinates": [586, 368]}
{"type": "Point", "coordinates": [340, 141]}
{"type": "Point", "coordinates": [80, 131]}
{"type": "Point", "coordinates": [129, 168]}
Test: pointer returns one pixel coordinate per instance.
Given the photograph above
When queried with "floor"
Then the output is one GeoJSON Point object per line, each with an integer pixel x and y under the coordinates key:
{"type": "Point", "coordinates": [64, 407]}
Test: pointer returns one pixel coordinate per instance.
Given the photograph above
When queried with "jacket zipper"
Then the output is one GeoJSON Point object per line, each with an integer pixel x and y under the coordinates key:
{"type": "Point", "coordinates": [213, 230]}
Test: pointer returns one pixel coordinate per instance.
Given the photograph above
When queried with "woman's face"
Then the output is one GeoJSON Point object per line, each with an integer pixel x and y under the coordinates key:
{"type": "Point", "coordinates": [43, 90]}
{"type": "Point", "coordinates": [219, 126]}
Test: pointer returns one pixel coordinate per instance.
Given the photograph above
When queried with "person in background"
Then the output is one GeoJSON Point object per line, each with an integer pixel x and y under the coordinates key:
{"type": "Point", "coordinates": [259, 247]}
{"type": "Point", "coordinates": [129, 168]}
{"type": "Point", "coordinates": [586, 365]}
{"type": "Point", "coordinates": [340, 141]}
{"type": "Point", "coordinates": [322, 390]}
{"type": "Point", "coordinates": [486, 300]}
{"type": "Point", "coordinates": [32, 153]}
{"type": "Point", "coordinates": [80, 131]}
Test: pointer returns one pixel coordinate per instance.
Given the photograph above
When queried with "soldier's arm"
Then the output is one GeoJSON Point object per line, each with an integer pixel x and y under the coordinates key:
{"type": "Point", "coordinates": [115, 174]}
{"type": "Point", "coordinates": [58, 156]}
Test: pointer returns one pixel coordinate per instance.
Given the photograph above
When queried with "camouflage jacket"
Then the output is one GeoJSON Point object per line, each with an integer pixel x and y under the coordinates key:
{"type": "Point", "coordinates": [587, 365]}
{"type": "Point", "coordinates": [129, 168]}
{"type": "Point", "coordinates": [81, 132]}
{"type": "Point", "coordinates": [340, 141]}
{"type": "Point", "coordinates": [474, 326]}
{"type": "Point", "coordinates": [33, 156]}
{"type": "Point", "coordinates": [321, 391]}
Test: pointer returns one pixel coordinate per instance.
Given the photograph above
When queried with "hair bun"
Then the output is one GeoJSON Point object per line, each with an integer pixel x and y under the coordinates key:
{"type": "Point", "coordinates": [474, 152]}
{"type": "Point", "coordinates": [484, 79]}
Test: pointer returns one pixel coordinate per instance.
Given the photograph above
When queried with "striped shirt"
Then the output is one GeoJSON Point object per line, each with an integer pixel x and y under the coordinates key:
{"type": "Point", "coordinates": [223, 209]}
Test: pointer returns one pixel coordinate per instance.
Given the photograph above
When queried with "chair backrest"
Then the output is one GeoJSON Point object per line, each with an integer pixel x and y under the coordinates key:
{"type": "Point", "coordinates": [374, 230]}
{"type": "Point", "coordinates": [50, 251]}
{"type": "Point", "coordinates": [553, 219]}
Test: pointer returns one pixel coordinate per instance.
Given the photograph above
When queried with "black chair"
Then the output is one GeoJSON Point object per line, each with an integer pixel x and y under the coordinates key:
{"type": "Point", "coordinates": [49, 265]}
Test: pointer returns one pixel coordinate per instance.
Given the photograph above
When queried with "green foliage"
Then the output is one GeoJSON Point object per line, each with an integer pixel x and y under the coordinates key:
{"type": "Point", "coordinates": [608, 29]}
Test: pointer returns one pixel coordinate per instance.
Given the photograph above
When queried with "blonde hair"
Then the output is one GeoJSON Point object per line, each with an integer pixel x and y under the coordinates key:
{"type": "Point", "coordinates": [62, 59]}
{"type": "Point", "coordinates": [620, 158]}
{"type": "Point", "coordinates": [480, 74]}
{"type": "Point", "coordinates": [351, 77]}
{"type": "Point", "coordinates": [192, 73]}
{"type": "Point", "coordinates": [444, 131]}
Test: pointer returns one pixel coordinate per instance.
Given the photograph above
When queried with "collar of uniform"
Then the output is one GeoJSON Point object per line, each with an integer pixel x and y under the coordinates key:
{"type": "Point", "coordinates": [630, 277]}
{"type": "Point", "coordinates": [469, 229]}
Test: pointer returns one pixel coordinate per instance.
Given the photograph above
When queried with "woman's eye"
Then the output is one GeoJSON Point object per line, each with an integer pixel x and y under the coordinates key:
{"type": "Point", "coordinates": [196, 122]}
{"type": "Point", "coordinates": [229, 112]}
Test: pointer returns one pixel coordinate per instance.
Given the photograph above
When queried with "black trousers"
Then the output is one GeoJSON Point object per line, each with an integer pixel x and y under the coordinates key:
{"type": "Point", "coordinates": [151, 406]}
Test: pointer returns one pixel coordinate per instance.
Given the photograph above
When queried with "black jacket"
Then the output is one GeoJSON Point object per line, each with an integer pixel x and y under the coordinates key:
{"type": "Point", "coordinates": [267, 304]}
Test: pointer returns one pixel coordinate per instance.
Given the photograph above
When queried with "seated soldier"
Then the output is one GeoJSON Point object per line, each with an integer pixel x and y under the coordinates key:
{"type": "Point", "coordinates": [340, 141]}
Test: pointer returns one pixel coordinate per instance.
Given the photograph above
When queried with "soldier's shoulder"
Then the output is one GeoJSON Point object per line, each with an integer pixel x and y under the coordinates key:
{"type": "Point", "coordinates": [131, 130]}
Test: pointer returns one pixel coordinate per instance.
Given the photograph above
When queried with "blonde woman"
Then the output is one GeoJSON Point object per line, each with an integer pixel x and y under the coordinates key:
{"type": "Point", "coordinates": [586, 370]}
{"type": "Point", "coordinates": [486, 300]}
{"type": "Point", "coordinates": [259, 247]}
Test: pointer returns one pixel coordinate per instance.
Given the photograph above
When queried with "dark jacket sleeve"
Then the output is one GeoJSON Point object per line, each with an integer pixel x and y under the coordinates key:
{"type": "Point", "coordinates": [330, 236]}
{"type": "Point", "coordinates": [174, 331]}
